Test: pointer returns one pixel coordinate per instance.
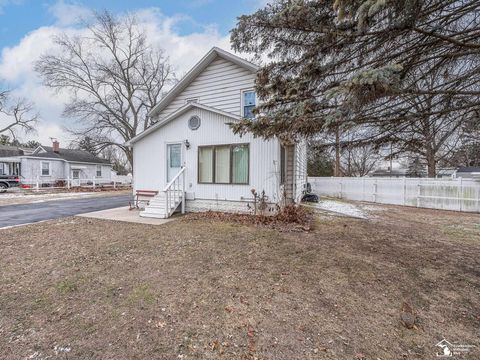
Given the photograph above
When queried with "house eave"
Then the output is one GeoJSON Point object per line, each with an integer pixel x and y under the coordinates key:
{"type": "Point", "coordinates": [176, 114]}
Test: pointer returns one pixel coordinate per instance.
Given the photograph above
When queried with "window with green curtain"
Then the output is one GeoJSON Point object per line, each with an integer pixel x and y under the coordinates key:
{"type": "Point", "coordinates": [205, 164]}
{"type": "Point", "coordinates": [222, 164]}
{"type": "Point", "coordinates": [240, 164]}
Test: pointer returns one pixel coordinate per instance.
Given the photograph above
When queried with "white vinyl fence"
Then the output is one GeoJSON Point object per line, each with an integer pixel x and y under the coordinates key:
{"type": "Point", "coordinates": [40, 184]}
{"type": "Point", "coordinates": [448, 194]}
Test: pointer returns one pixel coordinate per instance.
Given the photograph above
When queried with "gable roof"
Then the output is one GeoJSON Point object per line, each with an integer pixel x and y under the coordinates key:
{"type": "Point", "coordinates": [176, 114]}
{"type": "Point", "coordinates": [468, 169]}
{"type": "Point", "coordinates": [196, 70]}
{"type": "Point", "coordinates": [68, 155]}
{"type": "Point", "coordinates": [8, 151]}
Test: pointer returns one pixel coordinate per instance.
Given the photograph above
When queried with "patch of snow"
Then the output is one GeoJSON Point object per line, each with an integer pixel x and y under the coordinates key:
{"type": "Point", "coordinates": [61, 349]}
{"type": "Point", "coordinates": [340, 207]}
{"type": "Point", "coordinates": [372, 208]}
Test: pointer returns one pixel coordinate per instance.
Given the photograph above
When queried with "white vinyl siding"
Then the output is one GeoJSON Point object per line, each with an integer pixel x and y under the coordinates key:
{"type": "Point", "coordinates": [220, 86]}
{"type": "Point", "coordinates": [262, 160]}
{"type": "Point", "coordinates": [300, 168]}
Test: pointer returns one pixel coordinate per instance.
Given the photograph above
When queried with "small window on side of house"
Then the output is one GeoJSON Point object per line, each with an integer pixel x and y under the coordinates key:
{"type": "Point", "coordinates": [45, 168]}
{"type": "Point", "coordinates": [99, 171]}
{"type": "Point", "coordinates": [248, 103]}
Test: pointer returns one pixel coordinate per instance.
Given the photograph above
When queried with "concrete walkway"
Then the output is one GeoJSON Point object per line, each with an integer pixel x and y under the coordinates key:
{"type": "Point", "coordinates": [125, 214]}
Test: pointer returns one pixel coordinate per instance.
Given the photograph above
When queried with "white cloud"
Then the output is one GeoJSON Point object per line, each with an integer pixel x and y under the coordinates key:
{"type": "Point", "coordinates": [17, 62]}
{"type": "Point", "coordinates": [69, 13]}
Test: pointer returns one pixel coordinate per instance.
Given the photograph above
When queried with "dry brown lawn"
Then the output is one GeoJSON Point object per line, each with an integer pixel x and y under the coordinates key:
{"type": "Point", "coordinates": [205, 289]}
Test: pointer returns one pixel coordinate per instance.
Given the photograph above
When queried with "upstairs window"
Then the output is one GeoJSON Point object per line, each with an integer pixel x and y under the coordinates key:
{"type": "Point", "coordinates": [248, 103]}
{"type": "Point", "coordinates": [45, 168]}
{"type": "Point", "coordinates": [99, 171]}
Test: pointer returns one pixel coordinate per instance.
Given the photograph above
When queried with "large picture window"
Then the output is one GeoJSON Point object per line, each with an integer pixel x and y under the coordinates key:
{"type": "Point", "coordinates": [223, 164]}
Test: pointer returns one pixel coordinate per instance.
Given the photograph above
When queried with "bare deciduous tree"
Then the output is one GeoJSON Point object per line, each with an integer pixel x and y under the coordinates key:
{"type": "Point", "coordinates": [114, 77]}
{"type": "Point", "coordinates": [15, 115]}
{"type": "Point", "coordinates": [359, 160]}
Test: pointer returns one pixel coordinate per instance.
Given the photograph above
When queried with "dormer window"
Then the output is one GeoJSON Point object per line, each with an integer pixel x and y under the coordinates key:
{"type": "Point", "coordinates": [248, 103]}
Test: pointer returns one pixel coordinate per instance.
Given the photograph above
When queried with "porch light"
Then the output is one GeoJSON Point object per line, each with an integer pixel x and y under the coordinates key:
{"type": "Point", "coordinates": [187, 144]}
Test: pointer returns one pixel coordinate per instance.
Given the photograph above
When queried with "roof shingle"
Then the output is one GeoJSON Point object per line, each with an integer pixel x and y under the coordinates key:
{"type": "Point", "coordinates": [70, 155]}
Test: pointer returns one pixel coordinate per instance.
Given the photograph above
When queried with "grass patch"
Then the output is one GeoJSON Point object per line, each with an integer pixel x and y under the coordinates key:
{"type": "Point", "coordinates": [142, 294]}
{"type": "Point", "coordinates": [67, 286]}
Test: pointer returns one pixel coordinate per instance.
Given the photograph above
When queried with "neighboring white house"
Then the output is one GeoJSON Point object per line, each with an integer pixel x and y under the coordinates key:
{"type": "Point", "coordinates": [467, 172]}
{"type": "Point", "coordinates": [48, 165]}
{"type": "Point", "coordinates": [192, 140]}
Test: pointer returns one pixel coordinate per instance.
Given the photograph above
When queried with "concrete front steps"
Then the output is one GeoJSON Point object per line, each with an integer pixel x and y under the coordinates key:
{"type": "Point", "coordinates": [157, 207]}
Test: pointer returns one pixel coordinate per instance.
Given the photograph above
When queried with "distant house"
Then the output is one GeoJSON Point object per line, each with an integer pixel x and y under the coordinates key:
{"type": "Point", "coordinates": [396, 173]}
{"type": "Point", "coordinates": [446, 173]}
{"type": "Point", "coordinates": [48, 165]}
{"type": "Point", "coordinates": [467, 172]}
{"type": "Point", "coordinates": [191, 141]}
{"type": "Point", "coordinates": [10, 159]}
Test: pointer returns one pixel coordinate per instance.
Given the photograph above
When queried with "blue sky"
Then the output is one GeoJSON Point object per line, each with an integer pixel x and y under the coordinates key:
{"type": "Point", "coordinates": [186, 30]}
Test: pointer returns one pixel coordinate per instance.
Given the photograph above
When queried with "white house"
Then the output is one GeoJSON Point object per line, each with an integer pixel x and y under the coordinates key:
{"type": "Point", "coordinates": [191, 152]}
{"type": "Point", "coordinates": [49, 165]}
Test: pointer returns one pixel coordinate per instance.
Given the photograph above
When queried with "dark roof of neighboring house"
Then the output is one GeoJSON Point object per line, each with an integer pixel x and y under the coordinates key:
{"type": "Point", "coordinates": [386, 172]}
{"type": "Point", "coordinates": [468, 169]}
{"type": "Point", "coordinates": [8, 151]}
{"type": "Point", "coordinates": [70, 155]}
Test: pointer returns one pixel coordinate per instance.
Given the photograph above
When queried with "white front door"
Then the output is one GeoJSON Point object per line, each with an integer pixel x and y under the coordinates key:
{"type": "Point", "coordinates": [174, 160]}
{"type": "Point", "coordinates": [75, 177]}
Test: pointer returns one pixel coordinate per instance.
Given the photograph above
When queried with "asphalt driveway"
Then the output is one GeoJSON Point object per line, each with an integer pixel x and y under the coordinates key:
{"type": "Point", "coordinates": [12, 215]}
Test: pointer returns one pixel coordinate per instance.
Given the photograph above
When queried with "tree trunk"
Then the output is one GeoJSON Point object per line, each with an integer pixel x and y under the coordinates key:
{"type": "Point", "coordinates": [129, 154]}
{"type": "Point", "coordinates": [337, 171]}
{"type": "Point", "coordinates": [431, 164]}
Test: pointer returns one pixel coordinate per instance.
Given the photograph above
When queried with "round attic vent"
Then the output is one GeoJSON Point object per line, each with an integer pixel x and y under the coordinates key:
{"type": "Point", "coordinates": [194, 122]}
